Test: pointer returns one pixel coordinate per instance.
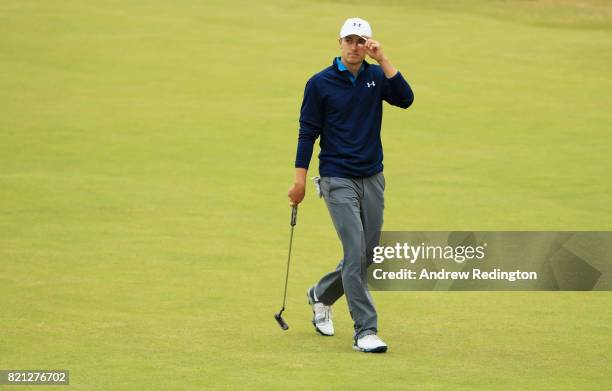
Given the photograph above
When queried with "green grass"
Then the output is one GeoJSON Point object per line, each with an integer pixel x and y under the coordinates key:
{"type": "Point", "coordinates": [145, 153]}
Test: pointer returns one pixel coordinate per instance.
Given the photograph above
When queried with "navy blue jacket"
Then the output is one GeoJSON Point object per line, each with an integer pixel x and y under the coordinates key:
{"type": "Point", "coordinates": [348, 119]}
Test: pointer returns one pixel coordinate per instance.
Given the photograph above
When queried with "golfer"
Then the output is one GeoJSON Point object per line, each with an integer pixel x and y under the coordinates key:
{"type": "Point", "coordinates": [343, 105]}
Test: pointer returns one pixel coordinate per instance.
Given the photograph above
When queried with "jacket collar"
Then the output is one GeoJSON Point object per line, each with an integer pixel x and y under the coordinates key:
{"type": "Point", "coordinates": [337, 60]}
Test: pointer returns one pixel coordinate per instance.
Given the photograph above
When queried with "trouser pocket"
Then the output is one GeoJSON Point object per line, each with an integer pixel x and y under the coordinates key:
{"type": "Point", "coordinates": [317, 183]}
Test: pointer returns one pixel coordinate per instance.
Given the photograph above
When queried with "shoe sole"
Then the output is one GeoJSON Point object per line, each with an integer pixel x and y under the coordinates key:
{"type": "Point", "coordinates": [380, 349]}
{"type": "Point", "coordinates": [313, 323]}
{"type": "Point", "coordinates": [320, 332]}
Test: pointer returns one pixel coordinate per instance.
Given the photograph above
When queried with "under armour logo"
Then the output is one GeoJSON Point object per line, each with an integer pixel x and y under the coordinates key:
{"type": "Point", "coordinates": [371, 84]}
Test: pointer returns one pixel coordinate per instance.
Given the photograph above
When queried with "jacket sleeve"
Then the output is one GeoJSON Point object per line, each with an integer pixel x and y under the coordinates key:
{"type": "Point", "coordinates": [397, 92]}
{"type": "Point", "coordinates": [311, 122]}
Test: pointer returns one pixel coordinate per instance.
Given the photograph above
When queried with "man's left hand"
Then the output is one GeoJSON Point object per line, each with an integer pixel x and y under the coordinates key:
{"type": "Point", "coordinates": [374, 49]}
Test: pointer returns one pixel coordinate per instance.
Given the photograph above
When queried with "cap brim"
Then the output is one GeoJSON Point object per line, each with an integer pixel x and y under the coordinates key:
{"type": "Point", "coordinates": [358, 35]}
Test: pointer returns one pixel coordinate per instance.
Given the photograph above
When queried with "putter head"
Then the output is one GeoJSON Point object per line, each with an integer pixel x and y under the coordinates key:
{"type": "Point", "coordinates": [281, 322]}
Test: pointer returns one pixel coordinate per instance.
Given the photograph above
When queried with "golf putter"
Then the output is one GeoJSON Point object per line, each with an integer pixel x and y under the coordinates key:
{"type": "Point", "coordinates": [278, 316]}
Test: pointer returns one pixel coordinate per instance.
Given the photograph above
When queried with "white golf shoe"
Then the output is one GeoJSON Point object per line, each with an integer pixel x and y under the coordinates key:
{"type": "Point", "coordinates": [322, 315]}
{"type": "Point", "coordinates": [370, 344]}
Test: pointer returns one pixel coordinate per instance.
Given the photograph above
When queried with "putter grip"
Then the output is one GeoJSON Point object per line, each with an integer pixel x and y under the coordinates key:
{"type": "Point", "coordinates": [294, 216]}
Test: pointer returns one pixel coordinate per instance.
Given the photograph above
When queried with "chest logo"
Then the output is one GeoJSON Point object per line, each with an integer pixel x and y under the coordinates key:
{"type": "Point", "coordinates": [372, 84]}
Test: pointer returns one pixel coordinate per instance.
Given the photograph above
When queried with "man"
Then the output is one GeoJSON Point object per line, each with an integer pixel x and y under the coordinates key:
{"type": "Point", "coordinates": [343, 105]}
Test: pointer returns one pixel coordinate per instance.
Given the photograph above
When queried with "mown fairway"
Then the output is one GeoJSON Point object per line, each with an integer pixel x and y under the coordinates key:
{"type": "Point", "coordinates": [146, 148]}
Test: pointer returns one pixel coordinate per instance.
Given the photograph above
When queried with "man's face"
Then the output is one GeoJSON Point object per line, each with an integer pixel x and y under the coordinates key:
{"type": "Point", "coordinates": [352, 49]}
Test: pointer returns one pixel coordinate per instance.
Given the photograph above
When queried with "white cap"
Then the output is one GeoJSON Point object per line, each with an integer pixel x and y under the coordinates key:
{"type": "Point", "coordinates": [356, 26]}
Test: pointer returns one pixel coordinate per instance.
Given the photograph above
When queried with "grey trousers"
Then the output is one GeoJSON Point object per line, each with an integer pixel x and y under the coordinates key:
{"type": "Point", "coordinates": [356, 208]}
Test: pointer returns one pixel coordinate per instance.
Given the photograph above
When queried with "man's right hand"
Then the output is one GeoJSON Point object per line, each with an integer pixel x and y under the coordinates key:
{"type": "Point", "coordinates": [296, 193]}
